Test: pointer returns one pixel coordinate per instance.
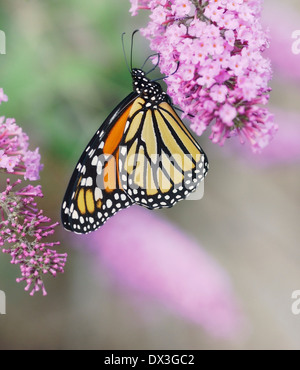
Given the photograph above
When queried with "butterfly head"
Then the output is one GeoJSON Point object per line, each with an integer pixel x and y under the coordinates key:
{"type": "Point", "coordinates": [149, 90]}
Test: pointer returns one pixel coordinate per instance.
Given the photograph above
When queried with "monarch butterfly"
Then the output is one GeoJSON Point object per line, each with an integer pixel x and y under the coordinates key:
{"type": "Point", "coordinates": [142, 154]}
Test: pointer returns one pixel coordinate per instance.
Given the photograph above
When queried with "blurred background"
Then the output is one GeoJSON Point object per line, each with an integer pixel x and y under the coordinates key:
{"type": "Point", "coordinates": [63, 72]}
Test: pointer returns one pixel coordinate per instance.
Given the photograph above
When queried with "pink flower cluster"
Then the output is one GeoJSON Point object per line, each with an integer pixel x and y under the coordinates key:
{"type": "Point", "coordinates": [23, 226]}
{"type": "Point", "coordinates": [222, 78]}
{"type": "Point", "coordinates": [15, 158]}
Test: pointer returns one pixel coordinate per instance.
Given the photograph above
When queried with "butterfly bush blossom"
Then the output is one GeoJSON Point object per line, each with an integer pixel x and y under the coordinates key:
{"type": "Point", "coordinates": [23, 227]}
{"type": "Point", "coordinates": [222, 79]}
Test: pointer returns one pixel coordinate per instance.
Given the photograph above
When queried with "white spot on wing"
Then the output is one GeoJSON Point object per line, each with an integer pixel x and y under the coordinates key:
{"type": "Point", "coordinates": [98, 194]}
{"type": "Point", "coordinates": [89, 181]}
{"type": "Point", "coordinates": [99, 168]}
{"type": "Point", "coordinates": [95, 161]}
{"type": "Point", "coordinates": [123, 150]}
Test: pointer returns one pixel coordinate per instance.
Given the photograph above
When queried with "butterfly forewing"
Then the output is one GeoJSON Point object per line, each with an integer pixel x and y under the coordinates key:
{"type": "Point", "coordinates": [95, 193]}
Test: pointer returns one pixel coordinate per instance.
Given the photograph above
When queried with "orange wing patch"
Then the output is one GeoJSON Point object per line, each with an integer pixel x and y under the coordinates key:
{"type": "Point", "coordinates": [111, 168]}
{"type": "Point", "coordinates": [115, 136]}
{"type": "Point", "coordinates": [109, 178]}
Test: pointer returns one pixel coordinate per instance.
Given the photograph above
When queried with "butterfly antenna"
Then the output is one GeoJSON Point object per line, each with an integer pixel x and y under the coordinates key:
{"type": "Point", "coordinates": [162, 78]}
{"type": "Point", "coordinates": [158, 60]}
{"type": "Point", "coordinates": [125, 57]}
{"type": "Point", "coordinates": [131, 51]}
{"type": "Point", "coordinates": [182, 111]}
{"type": "Point", "coordinates": [150, 56]}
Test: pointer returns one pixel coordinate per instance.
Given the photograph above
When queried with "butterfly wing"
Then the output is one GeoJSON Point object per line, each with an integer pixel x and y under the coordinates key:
{"type": "Point", "coordinates": [95, 193]}
{"type": "Point", "coordinates": [161, 162]}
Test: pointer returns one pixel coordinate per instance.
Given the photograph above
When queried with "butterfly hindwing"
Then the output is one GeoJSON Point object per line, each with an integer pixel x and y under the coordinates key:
{"type": "Point", "coordinates": [94, 193]}
{"type": "Point", "coordinates": [160, 160]}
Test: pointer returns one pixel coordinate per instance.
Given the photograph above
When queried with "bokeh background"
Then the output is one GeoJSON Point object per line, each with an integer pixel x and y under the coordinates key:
{"type": "Point", "coordinates": [64, 71]}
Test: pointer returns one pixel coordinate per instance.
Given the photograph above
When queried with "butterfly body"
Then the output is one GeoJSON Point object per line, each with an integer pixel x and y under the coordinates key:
{"type": "Point", "coordinates": [150, 91]}
{"type": "Point", "coordinates": [142, 154]}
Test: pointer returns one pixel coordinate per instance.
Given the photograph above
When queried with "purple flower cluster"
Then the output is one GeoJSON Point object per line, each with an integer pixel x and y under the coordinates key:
{"type": "Point", "coordinates": [222, 78]}
{"type": "Point", "coordinates": [15, 158]}
{"type": "Point", "coordinates": [23, 226]}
